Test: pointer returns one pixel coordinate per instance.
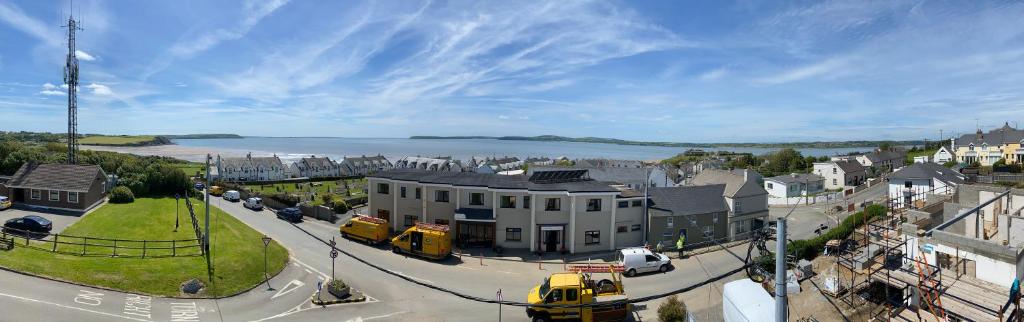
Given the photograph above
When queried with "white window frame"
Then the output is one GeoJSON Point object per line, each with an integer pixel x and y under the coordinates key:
{"type": "Point", "coordinates": [72, 193]}
{"type": "Point", "coordinates": [51, 197]}
{"type": "Point", "coordinates": [35, 194]}
{"type": "Point", "coordinates": [669, 222]}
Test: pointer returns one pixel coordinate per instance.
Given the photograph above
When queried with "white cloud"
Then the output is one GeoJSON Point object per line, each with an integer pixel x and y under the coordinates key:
{"type": "Point", "coordinates": [255, 11]}
{"type": "Point", "coordinates": [713, 75]}
{"type": "Point", "coordinates": [100, 89]}
{"type": "Point", "coordinates": [547, 86]}
{"type": "Point", "coordinates": [804, 72]}
{"type": "Point", "coordinates": [53, 90]}
{"type": "Point", "coordinates": [84, 56]}
{"type": "Point", "coordinates": [18, 19]}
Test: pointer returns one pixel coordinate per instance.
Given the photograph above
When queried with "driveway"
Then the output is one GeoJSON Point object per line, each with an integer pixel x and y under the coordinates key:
{"type": "Point", "coordinates": [60, 219]}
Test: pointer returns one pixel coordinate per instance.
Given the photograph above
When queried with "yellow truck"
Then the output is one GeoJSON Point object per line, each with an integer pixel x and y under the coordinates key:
{"type": "Point", "coordinates": [216, 190]}
{"type": "Point", "coordinates": [425, 240]}
{"type": "Point", "coordinates": [367, 229]}
{"type": "Point", "coordinates": [606, 299]}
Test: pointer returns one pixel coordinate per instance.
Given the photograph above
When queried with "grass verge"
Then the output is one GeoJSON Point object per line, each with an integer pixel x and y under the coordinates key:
{"type": "Point", "coordinates": [116, 139]}
{"type": "Point", "coordinates": [236, 248]}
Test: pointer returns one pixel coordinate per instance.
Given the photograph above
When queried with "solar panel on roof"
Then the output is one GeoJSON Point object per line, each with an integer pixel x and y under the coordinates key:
{"type": "Point", "coordinates": [554, 176]}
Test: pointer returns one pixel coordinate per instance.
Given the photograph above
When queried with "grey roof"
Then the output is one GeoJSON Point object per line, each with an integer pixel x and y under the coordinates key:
{"type": "Point", "coordinates": [317, 162]}
{"type": "Point", "coordinates": [611, 174]}
{"type": "Point", "coordinates": [688, 200]}
{"type": "Point", "coordinates": [489, 180]}
{"type": "Point", "coordinates": [235, 163]}
{"type": "Point", "coordinates": [880, 156]}
{"type": "Point", "coordinates": [735, 185]}
{"type": "Point", "coordinates": [849, 166]}
{"type": "Point", "coordinates": [266, 162]}
{"type": "Point", "coordinates": [796, 177]}
{"type": "Point", "coordinates": [928, 170]}
{"type": "Point", "coordinates": [63, 177]}
{"type": "Point", "coordinates": [608, 163]}
{"type": "Point", "coordinates": [995, 137]}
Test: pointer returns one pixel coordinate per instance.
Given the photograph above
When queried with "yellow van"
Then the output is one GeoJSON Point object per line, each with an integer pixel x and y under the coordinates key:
{"type": "Point", "coordinates": [216, 190]}
{"type": "Point", "coordinates": [367, 229]}
{"type": "Point", "coordinates": [425, 240]}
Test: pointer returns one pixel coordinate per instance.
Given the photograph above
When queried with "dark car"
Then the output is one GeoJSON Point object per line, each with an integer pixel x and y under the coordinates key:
{"type": "Point", "coordinates": [292, 214]}
{"type": "Point", "coordinates": [200, 186]}
{"type": "Point", "coordinates": [34, 225]}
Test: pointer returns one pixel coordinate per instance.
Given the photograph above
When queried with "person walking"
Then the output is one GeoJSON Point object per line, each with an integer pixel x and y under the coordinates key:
{"type": "Point", "coordinates": [679, 245]}
{"type": "Point", "coordinates": [659, 248]}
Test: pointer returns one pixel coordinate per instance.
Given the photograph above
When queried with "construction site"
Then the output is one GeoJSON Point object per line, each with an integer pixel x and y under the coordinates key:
{"type": "Point", "coordinates": [933, 256]}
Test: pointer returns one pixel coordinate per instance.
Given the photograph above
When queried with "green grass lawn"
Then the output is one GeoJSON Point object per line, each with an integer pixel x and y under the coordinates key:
{"type": "Point", "coordinates": [236, 248]}
{"type": "Point", "coordinates": [191, 168]}
{"type": "Point", "coordinates": [115, 139]}
{"type": "Point", "coordinates": [320, 187]}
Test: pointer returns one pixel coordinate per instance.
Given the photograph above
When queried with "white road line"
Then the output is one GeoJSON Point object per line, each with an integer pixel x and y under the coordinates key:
{"type": "Point", "coordinates": [308, 271]}
{"type": "Point", "coordinates": [73, 307]}
{"type": "Point", "coordinates": [414, 277]}
{"type": "Point", "coordinates": [284, 290]}
{"type": "Point", "coordinates": [320, 224]}
{"type": "Point", "coordinates": [382, 316]}
{"type": "Point", "coordinates": [310, 267]}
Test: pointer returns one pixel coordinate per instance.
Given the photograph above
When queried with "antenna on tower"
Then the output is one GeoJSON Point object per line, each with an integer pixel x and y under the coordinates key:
{"type": "Point", "coordinates": [71, 80]}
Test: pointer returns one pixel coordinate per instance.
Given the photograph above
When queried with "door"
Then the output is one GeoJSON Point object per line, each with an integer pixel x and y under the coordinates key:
{"type": "Point", "coordinates": [417, 242]}
{"type": "Point", "coordinates": [651, 263]}
{"type": "Point", "coordinates": [551, 241]}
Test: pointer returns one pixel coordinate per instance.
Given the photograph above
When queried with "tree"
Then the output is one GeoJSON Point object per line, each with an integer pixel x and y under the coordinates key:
{"type": "Point", "coordinates": [885, 146]}
{"type": "Point", "coordinates": [672, 310]}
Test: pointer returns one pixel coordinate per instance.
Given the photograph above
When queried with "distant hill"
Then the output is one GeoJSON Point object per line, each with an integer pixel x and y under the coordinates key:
{"type": "Point", "coordinates": [202, 136]}
{"type": "Point", "coordinates": [815, 144]}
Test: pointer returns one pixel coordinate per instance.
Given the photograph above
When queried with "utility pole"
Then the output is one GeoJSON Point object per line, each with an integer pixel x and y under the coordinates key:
{"type": "Point", "coordinates": [781, 314]}
{"type": "Point", "coordinates": [71, 80]}
{"type": "Point", "coordinates": [645, 220]}
{"type": "Point", "coordinates": [206, 235]}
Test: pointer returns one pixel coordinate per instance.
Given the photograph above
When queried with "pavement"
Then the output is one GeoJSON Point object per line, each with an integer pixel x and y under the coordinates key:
{"type": "Point", "coordinates": [804, 219]}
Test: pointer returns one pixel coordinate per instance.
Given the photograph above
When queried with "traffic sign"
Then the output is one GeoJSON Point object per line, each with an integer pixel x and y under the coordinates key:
{"type": "Point", "coordinates": [334, 253]}
{"type": "Point", "coordinates": [266, 241]}
{"type": "Point", "coordinates": [333, 243]}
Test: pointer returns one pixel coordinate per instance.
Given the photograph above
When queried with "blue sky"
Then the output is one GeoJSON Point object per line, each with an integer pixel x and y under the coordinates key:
{"type": "Point", "coordinates": [685, 71]}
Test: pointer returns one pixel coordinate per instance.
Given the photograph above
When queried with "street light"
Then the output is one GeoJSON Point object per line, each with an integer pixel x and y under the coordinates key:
{"type": "Point", "coordinates": [266, 276]}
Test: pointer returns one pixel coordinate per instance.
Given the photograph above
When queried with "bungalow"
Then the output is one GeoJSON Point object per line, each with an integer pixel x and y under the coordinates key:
{"type": "Point", "coordinates": [913, 182]}
{"type": "Point", "coordinates": [251, 168]}
{"type": "Point", "coordinates": [361, 166]}
{"type": "Point", "coordinates": [698, 212]}
{"type": "Point", "coordinates": [841, 174]}
{"type": "Point", "coordinates": [794, 185]}
{"type": "Point", "coordinates": [70, 187]}
{"type": "Point", "coordinates": [315, 167]}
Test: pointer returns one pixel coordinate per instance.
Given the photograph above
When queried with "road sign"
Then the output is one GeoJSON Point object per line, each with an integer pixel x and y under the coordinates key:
{"type": "Point", "coordinates": [319, 285]}
{"type": "Point", "coordinates": [333, 243]}
{"type": "Point", "coordinates": [499, 294]}
{"type": "Point", "coordinates": [334, 253]}
{"type": "Point", "coordinates": [177, 196]}
{"type": "Point", "coordinates": [266, 241]}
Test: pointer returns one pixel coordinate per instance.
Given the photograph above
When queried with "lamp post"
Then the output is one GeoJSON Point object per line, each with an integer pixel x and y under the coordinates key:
{"type": "Point", "coordinates": [266, 276]}
{"type": "Point", "coordinates": [177, 203]}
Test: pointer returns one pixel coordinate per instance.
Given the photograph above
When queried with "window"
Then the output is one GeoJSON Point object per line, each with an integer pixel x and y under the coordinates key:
{"type": "Point", "coordinates": [834, 182]}
{"type": "Point", "coordinates": [54, 195]}
{"type": "Point", "coordinates": [669, 222]}
{"type": "Point", "coordinates": [383, 188]}
{"type": "Point", "coordinates": [72, 197]}
{"type": "Point", "coordinates": [737, 207]}
{"type": "Point", "coordinates": [623, 204]}
{"type": "Point", "coordinates": [570, 295]}
{"type": "Point", "coordinates": [637, 203]}
{"type": "Point", "coordinates": [635, 228]}
{"type": "Point", "coordinates": [441, 221]}
{"type": "Point", "coordinates": [441, 196]}
{"type": "Point", "coordinates": [621, 229]}
{"type": "Point", "coordinates": [418, 193]}
{"type": "Point", "coordinates": [707, 232]}
{"type": "Point", "coordinates": [526, 202]}
{"type": "Point", "coordinates": [834, 171]}
{"type": "Point", "coordinates": [908, 184]}
{"type": "Point", "coordinates": [592, 237]}
{"type": "Point", "coordinates": [553, 204]}
{"type": "Point", "coordinates": [593, 204]}
{"type": "Point", "coordinates": [741, 227]}
{"type": "Point", "coordinates": [554, 296]}
{"type": "Point", "coordinates": [476, 199]}
{"type": "Point", "coordinates": [770, 186]}
{"type": "Point", "coordinates": [36, 194]}
{"type": "Point", "coordinates": [666, 235]}
{"type": "Point", "coordinates": [411, 220]}
{"type": "Point", "coordinates": [401, 191]}
{"type": "Point", "coordinates": [513, 234]}
{"type": "Point", "coordinates": [508, 201]}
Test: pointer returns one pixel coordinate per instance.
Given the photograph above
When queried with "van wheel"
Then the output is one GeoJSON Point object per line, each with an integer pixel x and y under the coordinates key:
{"type": "Point", "coordinates": [540, 318]}
{"type": "Point", "coordinates": [631, 272]}
{"type": "Point", "coordinates": [396, 250]}
{"type": "Point", "coordinates": [663, 268]}
{"type": "Point", "coordinates": [344, 235]}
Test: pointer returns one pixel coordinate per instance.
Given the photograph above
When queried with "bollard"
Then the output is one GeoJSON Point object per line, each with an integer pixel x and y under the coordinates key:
{"type": "Point", "coordinates": [481, 259]}
{"type": "Point", "coordinates": [539, 267]}
{"type": "Point", "coordinates": [564, 265]}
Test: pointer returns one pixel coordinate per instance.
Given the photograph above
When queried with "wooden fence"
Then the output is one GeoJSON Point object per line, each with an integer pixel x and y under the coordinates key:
{"type": "Point", "coordinates": [101, 247]}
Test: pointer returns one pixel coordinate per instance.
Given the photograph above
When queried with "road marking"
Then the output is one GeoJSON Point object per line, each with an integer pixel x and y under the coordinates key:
{"type": "Point", "coordinates": [184, 312]}
{"type": "Point", "coordinates": [378, 316]}
{"type": "Point", "coordinates": [89, 298]}
{"type": "Point", "coordinates": [138, 305]}
{"type": "Point", "coordinates": [284, 290]}
{"type": "Point", "coordinates": [321, 224]}
{"type": "Point", "coordinates": [309, 267]}
{"type": "Point", "coordinates": [72, 307]}
{"type": "Point", "coordinates": [413, 277]}
{"type": "Point", "coordinates": [309, 271]}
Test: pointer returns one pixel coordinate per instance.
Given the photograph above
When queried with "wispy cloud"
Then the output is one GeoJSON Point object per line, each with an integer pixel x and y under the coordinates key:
{"type": "Point", "coordinates": [53, 90]}
{"type": "Point", "coordinates": [804, 72]}
{"type": "Point", "coordinates": [84, 56]}
{"type": "Point", "coordinates": [100, 89]}
{"type": "Point", "coordinates": [15, 17]}
{"type": "Point", "coordinates": [255, 11]}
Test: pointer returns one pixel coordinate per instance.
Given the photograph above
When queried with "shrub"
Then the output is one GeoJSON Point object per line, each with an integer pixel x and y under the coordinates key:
{"type": "Point", "coordinates": [810, 248]}
{"type": "Point", "coordinates": [672, 310]}
{"type": "Point", "coordinates": [339, 206]}
{"type": "Point", "coordinates": [121, 194]}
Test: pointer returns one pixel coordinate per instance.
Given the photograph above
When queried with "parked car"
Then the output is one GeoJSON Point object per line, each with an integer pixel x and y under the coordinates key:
{"type": "Point", "coordinates": [292, 214]}
{"type": "Point", "coordinates": [29, 224]}
{"type": "Point", "coordinates": [5, 202]}
{"type": "Point", "coordinates": [641, 260]}
{"type": "Point", "coordinates": [199, 186]}
{"type": "Point", "coordinates": [254, 203]}
{"type": "Point", "coordinates": [216, 190]}
{"type": "Point", "coordinates": [232, 195]}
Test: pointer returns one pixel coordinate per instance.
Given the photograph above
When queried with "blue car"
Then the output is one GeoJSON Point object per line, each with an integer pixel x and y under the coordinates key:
{"type": "Point", "coordinates": [200, 186]}
{"type": "Point", "coordinates": [292, 214]}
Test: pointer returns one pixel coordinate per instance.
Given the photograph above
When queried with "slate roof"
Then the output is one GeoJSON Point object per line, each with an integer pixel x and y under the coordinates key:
{"type": "Point", "coordinates": [735, 185]}
{"type": "Point", "coordinates": [928, 170]}
{"type": "Point", "coordinates": [609, 163]}
{"type": "Point", "coordinates": [377, 160]}
{"type": "Point", "coordinates": [425, 163]}
{"type": "Point", "coordinates": [796, 177]}
{"type": "Point", "coordinates": [849, 166]}
{"type": "Point", "coordinates": [881, 156]}
{"type": "Point", "coordinates": [63, 177]}
{"type": "Point", "coordinates": [688, 200]}
{"type": "Point", "coordinates": [995, 137]}
{"type": "Point", "coordinates": [489, 180]}
{"type": "Point", "coordinates": [266, 162]}
{"type": "Point", "coordinates": [313, 162]}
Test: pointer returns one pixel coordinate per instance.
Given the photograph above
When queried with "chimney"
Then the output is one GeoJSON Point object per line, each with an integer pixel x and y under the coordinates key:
{"type": "Point", "coordinates": [745, 175]}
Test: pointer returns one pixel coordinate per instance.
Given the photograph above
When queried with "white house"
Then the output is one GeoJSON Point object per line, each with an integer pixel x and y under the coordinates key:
{"type": "Point", "coordinates": [315, 167]}
{"type": "Point", "coordinates": [794, 185]}
{"type": "Point", "coordinates": [251, 168]}
{"type": "Point", "coordinates": [361, 166]}
{"type": "Point", "coordinates": [943, 155]}
{"type": "Point", "coordinates": [922, 159]}
{"type": "Point", "coordinates": [430, 164]}
{"type": "Point", "coordinates": [840, 174]}
{"type": "Point", "coordinates": [912, 182]}
{"type": "Point", "coordinates": [495, 165]}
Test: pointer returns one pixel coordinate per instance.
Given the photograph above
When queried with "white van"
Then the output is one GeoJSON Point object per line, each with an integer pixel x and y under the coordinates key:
{"type": "Point", "coordinates": [232, 195]}
{"type": "Point", "coordinates": [254, 203]}
{"type": "Point", "coordinates": [641, 260]}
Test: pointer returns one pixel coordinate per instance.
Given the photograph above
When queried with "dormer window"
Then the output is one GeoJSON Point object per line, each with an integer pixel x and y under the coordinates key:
{"type": "Point", "coordinates": [971, 147]}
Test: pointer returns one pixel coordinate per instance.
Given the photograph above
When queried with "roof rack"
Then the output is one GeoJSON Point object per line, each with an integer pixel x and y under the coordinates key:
{"type": "Point", "coordinates": [371, 219]}
{"type": "Point", "coordinates": [429, 226]}
{"type": "Point", "coordinates": [595, 268]}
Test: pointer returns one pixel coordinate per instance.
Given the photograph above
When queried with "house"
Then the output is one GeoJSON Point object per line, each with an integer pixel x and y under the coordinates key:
{"type": "Point", "coordinates": [363, 165]}
{"type": "Point", "coordinates": [922, 159]}
{"type": "Point", "coordinates": [634, 178]}
{"type": "Point", "coordinates": [540, 161]}
{"type": "Point", "coordinates": [883, 160]}
{"type": "Point", "coordinates": [550, 211]}
{"type": "Point", "coordinates": [745, 195]}
{"type": "Point", "coordinates": [987, 148]}
{"type": "Point", "coordinates": [430, 164]}
{"type": "Point", "coordinates": [315, 167]}
{"type": "Point", "coordinates": [612, 163]}
{"type": "Point", "coordinates": [495, 165]}
{"type": "Point", "coordinates": [251, 168]}
{"type": "Point", "coordinates": [698, 212]}
{"type": "Point", "coordinates": [841, 174]}
{"type": "Point", "coordinates": [942, 156]}
{"type": "Point", "coordinates": [71, 187]}
{"type": "Point", "coordinates": [794, 185]}
{"type": "Point", "coordinates": [912, 182]}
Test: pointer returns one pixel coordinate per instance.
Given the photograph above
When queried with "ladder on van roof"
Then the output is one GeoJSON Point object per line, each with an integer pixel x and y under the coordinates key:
{"type": "Point", "coordinates": [434, 227]}
{"type": "Point", "coordinates": [371, 220]}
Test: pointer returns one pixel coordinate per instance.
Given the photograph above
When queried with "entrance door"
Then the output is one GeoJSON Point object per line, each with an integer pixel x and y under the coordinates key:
{"type": "Point", "coordinates": [551, 241]}
{"type": "Point", "coordinates": [417, 241]}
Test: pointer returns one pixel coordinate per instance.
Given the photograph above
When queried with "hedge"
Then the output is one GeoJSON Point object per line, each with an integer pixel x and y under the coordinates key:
{"type": "Point", "coordinates": [811, 248]}
{"type": "Point", "coordinates": [121, 194]}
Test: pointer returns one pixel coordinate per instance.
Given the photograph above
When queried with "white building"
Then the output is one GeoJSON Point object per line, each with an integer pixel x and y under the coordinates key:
{"type": "Point", "coordinates": [430, 164]}
{"type": "Point", "coordinates": [794, 185]}
{"type": "Point", "coordinates": [840, 174]}
{"type": "Point", "coordinates": [912, 182]}
{"type": "Point", "coordinates": [942, 155]}
{"type": "Point", "coordinates": [361, 166]}
{"type": "Point", "coordinates": [315, 167]}
{"type": "Point", "coordinates": [251, 168]}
